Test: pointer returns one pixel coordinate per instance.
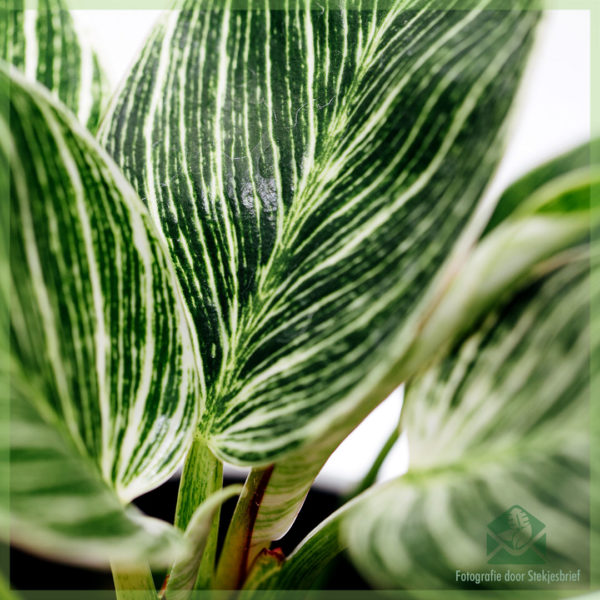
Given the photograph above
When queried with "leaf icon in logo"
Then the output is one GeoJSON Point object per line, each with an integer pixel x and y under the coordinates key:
{"type": "Point", "coordinates": [520, 532]}
{"type": "Point", "coordinates": [516, 537]}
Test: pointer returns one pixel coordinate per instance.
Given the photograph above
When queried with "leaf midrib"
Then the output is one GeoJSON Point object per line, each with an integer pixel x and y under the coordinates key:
{"type": "Point", "coordinates": [266, 296]}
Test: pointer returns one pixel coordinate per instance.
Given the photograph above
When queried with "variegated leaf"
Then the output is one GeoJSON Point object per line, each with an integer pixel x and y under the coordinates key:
{"type": "Point", "coordinates": [311, 171]}
{"type": "Point", "coordinates": [529, 240]}
{"type": "Point", "coordinates": [502, 421]}
{"type": "Point", "coordinates": [543, 183]}
{"type": "Point", "coordinates": [548, 210]}
{"type": "Point", "coordinates": [97, 326]}
{"type": "Point", "coordinates": [550, 217]}
{"type": "Point", "coordinates": [42, 41]}
{"type": "Point", "coordinates": [59, 505]}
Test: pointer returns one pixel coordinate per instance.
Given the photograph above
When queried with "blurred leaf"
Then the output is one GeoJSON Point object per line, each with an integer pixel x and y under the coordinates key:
{"type": "Point", "coordinates": [59, 505]}
{"type": "Point", "coordinates": [540, 182]}
{"type": "Point", "coordinates": [499, 425]}
{"type": "Point", "coordinates": [545, 217]}
{"type": "Point", "coordinates": [43, 43]}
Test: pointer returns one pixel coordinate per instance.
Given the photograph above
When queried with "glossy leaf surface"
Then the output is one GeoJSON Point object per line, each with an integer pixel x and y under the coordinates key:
{"type": "Point", "coordinates": [311, 171]}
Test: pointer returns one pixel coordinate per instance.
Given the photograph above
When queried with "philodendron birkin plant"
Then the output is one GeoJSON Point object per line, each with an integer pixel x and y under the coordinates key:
{"type": "Point", "coordinates": [276, 220]}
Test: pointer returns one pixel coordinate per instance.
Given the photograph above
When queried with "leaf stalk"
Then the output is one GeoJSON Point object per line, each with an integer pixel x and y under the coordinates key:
{"type": "Point", "coordinates": [202, 476]}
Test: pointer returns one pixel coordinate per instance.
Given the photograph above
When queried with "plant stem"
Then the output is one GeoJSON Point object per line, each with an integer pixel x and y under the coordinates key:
{"type": "Point", "coordinates": [133, 582]}
{"type": "Point", "coordinates": [371, 476]}
{"type": "Point", "coordinates": [202, 475]}
{"type": "Point", "coordinates": [329, 565]}
{"type": "Point", "coordinates": [184, 574]}
{"type": "Point", "coordinates": [236, 553]}
{"type": "Point", "coordinates": [5, 592]}
{"type": "Point", "coordinates": [264, 569]}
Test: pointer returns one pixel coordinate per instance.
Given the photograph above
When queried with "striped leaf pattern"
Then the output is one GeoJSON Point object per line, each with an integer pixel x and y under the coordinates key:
{"type": "Point", "coordinates": [43, 43]}
{"type": "Point", "coordinates": [311, 170]}
{"type": "Point", "coordinates": [59, 505]}
{"type": "Point", "coordinates": [546, 220]}
{"type": "Point", "coordinates": [536, 218]}
{"type": "Point", "coordinates": [502, 421]}
{"type": "Point", "coordinates": [96, 322]}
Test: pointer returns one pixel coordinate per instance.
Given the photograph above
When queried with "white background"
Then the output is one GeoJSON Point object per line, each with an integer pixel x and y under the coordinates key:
{"type": "Point", "coordinates": [552, 113]}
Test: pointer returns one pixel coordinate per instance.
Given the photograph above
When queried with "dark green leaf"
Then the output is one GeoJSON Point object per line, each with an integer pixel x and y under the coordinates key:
{"type": "Point", "coordinates": [311, 171]}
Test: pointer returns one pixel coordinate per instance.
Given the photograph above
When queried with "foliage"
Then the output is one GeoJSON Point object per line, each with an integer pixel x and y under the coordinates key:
{"type": "Point", "coordinates": [277, 220]}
